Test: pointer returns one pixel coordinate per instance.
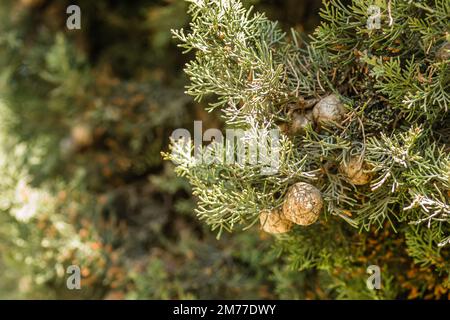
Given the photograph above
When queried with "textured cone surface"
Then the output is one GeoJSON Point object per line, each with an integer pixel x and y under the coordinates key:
{"type": "Point", "coordinates": [354, 171]}
{"type": "Point", "coordinates": [443, 53]}
{"type": "Point", "coordinates": [303, 204]}
{"type": "Point", "coordinates": [274, 222]}
{"type": "Point", "coordinates": [329, 109]}
{"type": "Point", "coordinates": [301, 121]}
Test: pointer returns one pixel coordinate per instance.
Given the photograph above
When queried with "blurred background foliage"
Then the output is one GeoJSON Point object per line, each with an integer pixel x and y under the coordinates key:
{"type": "Point", "coordinates": [84, 115]}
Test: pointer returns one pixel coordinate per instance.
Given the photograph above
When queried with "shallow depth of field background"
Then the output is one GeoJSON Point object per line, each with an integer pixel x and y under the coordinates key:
{"type": "Point", "coordinates": [84, 115]}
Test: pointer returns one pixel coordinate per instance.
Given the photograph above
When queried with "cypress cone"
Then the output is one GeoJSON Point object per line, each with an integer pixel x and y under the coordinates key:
{"type": "Point", "coordinates": [303, 204]}
{"type": "Point", "coordinates": [273, 221]}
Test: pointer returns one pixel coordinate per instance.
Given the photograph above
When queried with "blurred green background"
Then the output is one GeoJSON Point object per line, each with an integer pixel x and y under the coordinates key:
{"type": "Point", "coordinates": [84, 115]}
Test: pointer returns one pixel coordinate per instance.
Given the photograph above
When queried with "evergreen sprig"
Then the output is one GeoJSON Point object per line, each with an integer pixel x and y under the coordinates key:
{"type": "Point", "coordinates": [394, 83]}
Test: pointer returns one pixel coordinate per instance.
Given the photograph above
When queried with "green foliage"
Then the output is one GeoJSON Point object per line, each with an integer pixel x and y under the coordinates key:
{"type": "Point", "coordinates": [394, 84]}
{"type": "Point", "coordinates": [84, 115]}
{"type": "Point", "coordinates": [242, 261]}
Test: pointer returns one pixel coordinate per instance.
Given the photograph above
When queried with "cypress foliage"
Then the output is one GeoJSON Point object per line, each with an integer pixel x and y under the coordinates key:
{"type": "Point", "coordinates": [376, 147]}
